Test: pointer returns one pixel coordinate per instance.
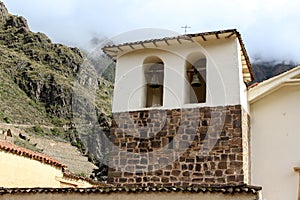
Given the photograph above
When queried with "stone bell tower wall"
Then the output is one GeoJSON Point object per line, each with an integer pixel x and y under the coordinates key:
{"type": "Point", "coordinates": [207, 146]}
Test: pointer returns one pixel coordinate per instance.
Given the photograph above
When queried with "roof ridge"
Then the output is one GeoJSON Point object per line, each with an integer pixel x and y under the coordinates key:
{"type": "Point", "coordinates": [115, 50]}
{"type": "Point", "coordinates": [14, 149]}
{"type": "Point", "coordinates": [174, 37]}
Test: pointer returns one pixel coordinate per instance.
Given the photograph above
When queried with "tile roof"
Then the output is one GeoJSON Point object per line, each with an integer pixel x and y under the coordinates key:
{"type": "Point", "coordinates": [193, 189]}
{"type": "Point", "coordinates": [114, 50]}
{"type": "Point", "coordinates": [231, 32]}
{"type": "Point", "coordinates": [253, 85]}
{"type": "Point", "coordinates": [11, 148]}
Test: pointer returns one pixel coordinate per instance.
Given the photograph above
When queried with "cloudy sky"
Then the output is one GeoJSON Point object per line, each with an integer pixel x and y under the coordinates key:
{"type": "Point", "coordinates": [270, 28]}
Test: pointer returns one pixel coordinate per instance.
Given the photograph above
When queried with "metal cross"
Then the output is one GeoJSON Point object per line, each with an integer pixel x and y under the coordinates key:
{"type": "Point", "coordinates": [185, 28]}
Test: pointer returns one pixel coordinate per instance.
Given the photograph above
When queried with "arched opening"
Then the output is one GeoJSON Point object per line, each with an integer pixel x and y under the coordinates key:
{"type": "Point", "coordinates": [154, 76]}
{"type": "Point", "coordinates": [195, 78]}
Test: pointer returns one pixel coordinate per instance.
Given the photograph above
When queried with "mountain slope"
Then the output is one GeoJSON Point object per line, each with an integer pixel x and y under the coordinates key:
{"type": "Point", "coordinates": [37, 81]}
{"type": "Point", "coordinates": [264, 70]}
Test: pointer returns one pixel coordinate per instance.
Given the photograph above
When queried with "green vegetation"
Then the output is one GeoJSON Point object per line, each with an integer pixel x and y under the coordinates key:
{"type": "Point", "coordinates": [37, 81]}
{"type": "Point", "coordinates": [37, 76]}
{"type": "Point", "coordinates": [82, 174]}
{"type": "Point", "coordinates": [27, 145]}
{"type": "Point", "coordinates": [57, 132]}
{"type": "Point", "coordinates": [38, 130]}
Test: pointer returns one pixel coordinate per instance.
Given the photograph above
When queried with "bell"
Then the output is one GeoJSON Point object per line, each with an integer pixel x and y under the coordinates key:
{"type": "Point", "coordinates": [195, 81]}
{"type": "Point", "coordinates": [154, 82]}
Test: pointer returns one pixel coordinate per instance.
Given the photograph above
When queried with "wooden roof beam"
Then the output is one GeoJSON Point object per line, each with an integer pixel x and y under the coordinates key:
{"type": "Point", "coordinates": [142, 44]}
{"type": "Point", "coordinates": [120, 48]}
{"type": "Point", "coordinates": [188, 39]}
{"type": "Point", "coordinates": [113, 51]}
{"type": "Point", "coordinates": [130, 45]}
{"type": "Point", "coordinates": [231, 34]}
{"type": "Point", "coordinates": [245, 70]}
{"type": "Point", "coordinates": [166, 41]}
{"type": "Point", "coordinates": [178, 39]}
{"type": "Point", "coordinates": [204, 39]}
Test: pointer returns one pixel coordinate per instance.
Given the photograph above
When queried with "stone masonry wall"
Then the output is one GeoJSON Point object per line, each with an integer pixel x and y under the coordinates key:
{"type": "Point", "coordinates": [178, 147]}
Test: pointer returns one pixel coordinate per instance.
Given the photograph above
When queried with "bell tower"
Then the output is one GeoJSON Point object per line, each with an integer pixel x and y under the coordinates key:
{"type": "Point", "coordinates": [180, 111]}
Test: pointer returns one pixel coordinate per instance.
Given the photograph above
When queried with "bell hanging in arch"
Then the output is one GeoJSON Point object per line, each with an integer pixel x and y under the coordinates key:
{"type": "Point", "coordinates": [154, 82]}
{"type": "Point", "coordinates": [195, 80]}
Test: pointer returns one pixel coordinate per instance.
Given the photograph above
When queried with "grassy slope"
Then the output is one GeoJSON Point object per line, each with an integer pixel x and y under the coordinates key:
{"type": "Point", "coordinates": [16, 107]}
{"type": "Point", "coordinates": [37, 77]}
{"type": "Point", "coordinates": [36, 80]}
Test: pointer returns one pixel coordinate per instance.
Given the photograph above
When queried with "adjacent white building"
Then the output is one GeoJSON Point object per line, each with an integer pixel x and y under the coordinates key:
{"type": "Point", "coordinates": [275, 135]}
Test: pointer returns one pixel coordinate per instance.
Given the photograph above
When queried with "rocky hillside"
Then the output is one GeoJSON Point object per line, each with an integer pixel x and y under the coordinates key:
{"type": "Point", "coordinates": [264, 70]}
{"type": "Point", "coordinates": [46, 86]}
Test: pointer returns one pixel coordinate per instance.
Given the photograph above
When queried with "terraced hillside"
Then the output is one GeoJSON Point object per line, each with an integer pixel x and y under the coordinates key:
{"type": "Point", "coordinates": [37, 81]}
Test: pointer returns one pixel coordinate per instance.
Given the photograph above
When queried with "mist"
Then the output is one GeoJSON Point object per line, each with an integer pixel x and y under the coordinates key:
{"type": "Point", "coordinates": [269, 28]}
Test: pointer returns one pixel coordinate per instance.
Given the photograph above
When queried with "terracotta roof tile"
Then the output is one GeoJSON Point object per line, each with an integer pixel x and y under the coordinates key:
{"type": "Point", "coordinates": [194, 188]}
{"type": "Point", "coordinates": [11, 148]}
{"type": "Point", "coordinates": [253, 85]}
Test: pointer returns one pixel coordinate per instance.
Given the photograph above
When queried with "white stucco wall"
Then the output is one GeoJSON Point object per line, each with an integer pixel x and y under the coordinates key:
{"type": "Point", "coordinates": [275, 140]}
{"type": "Point", "coordinates": [223, 75]}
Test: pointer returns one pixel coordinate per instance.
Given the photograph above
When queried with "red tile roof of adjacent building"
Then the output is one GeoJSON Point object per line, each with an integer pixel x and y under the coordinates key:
{"type": "Point", "coordinates": [193, 189]}
{"type": "Point", "coordinates": [11, 148]}
{"type": "Point", "coordinates": [253, 85]}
